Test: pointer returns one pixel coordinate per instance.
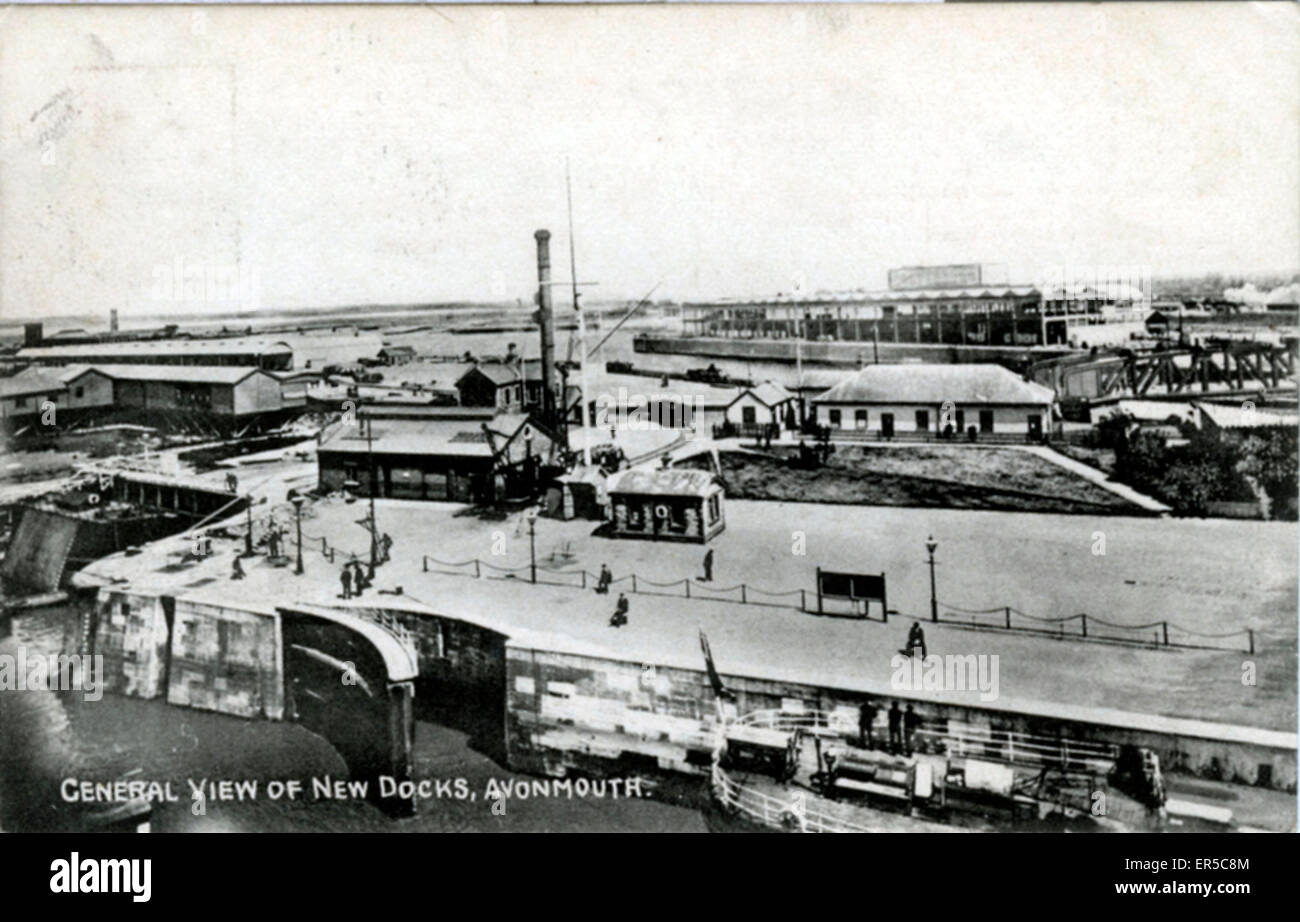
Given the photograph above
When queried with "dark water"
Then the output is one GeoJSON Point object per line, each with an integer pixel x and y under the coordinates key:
{"type": "Point", "coordinates": [55, 737]}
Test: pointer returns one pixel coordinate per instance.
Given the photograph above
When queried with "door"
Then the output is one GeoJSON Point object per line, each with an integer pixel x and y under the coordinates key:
{"type": "Point", "coordinates": [986, 420]}
{"type": "Point", "coordinates": [860, 419]}
{"type": "Point", "coordinates": [887, 425]}
{"type": "Point", "coordinates": [922, 420]}
{"type": "Point", "coordinates": [1035, 427]}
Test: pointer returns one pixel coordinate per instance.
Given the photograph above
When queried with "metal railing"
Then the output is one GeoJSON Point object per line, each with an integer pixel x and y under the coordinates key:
{"type": "Point", "coordinates": [1159, 634]}
{"type": "Point", "coordinates": [686, 588]}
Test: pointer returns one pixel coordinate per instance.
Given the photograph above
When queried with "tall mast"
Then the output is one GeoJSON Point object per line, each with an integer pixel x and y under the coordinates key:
{"type": "Point", "coordinates": [582, 329]}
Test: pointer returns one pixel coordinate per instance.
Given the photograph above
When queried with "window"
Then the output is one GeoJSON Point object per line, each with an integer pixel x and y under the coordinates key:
{"type": "Point", "coordinates": [748, 416]}
{"type": "Point", "coordinates": [20, 401]}
{"type": "Point", "coordinates": [79, 392]}
{"type": "Point", "coordinates": [986, 420]}
{"type": "Point", "coordinates": [859, 419]}
{"type": "Point", "coordinates": [715, 508]}
{"type": "Point", "coordinates": [835, 419]}
{"type": "Point", "coordinates": [922, 420]}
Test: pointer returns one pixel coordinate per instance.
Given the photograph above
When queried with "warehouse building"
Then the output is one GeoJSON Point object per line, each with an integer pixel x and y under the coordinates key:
{"type": "Point", "coordinates": [940, 305]}
{"type": "Point", "coordinates": [436, 453]}
{"type": "Point", "coordinates": [939, 400]}
{"type": "Point", "coordinates": [269, 355]}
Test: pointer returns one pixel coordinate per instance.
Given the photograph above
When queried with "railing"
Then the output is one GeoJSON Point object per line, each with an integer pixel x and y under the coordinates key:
{"type": "Point", "coordinates": [686, 588]}
{"type": "Point", "coordinates": [1087, 627]}
{"type": "Point", "coordinates": [966, 741]}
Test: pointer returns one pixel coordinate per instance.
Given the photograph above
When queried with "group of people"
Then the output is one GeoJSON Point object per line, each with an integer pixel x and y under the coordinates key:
{"type": "Point", "coordinates": [903, 725]}
{"type": "Point", "coordinates": [354, 579]}
{"type": "Point", "coordinates": [619, 618]}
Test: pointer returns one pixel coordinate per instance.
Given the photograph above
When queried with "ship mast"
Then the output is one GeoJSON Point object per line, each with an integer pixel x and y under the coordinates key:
{"type": "Point", "coordinates": [582, 330]}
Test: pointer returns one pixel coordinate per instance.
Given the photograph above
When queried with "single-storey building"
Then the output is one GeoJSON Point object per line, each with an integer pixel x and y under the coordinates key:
{"type": "Point", "coordinates": [502, 385]}
{"type": "Point", "coordinates": [397, 355]}
{"type": "Point", "coordinates": [666, 504]}
{"type": "Point", "coordinates": [763, 405]}
{"type": "Point", "coordinates": [1235, 420]}
{"type": "Point", "coordinates": [209, 390]}
{"type": "Point", "coordinates": [943, 400]}
{"type": "Point", "coordinates": [435, 453]}
{"type": "Point", "coordinates": [579, 494]}
{"type": "Point", "coordinates": [619, 401]}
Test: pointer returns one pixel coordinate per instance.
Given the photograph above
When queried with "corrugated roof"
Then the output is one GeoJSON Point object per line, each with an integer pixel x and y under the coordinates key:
{"type": "Point", "coordinates": [458, 437]}
{"type": "Point", "coordinates": [935, 384]}
{"type": "Point", "coordinates": [28, 383]}
{"type": "Point", "coordinates": [196, 374]}
{"type": "Point", "coordinates": [663, 482]}
{"type": "Point", "coordinates": [228, 346]}
{"type": "Point", "coordinates": [1234, 417]}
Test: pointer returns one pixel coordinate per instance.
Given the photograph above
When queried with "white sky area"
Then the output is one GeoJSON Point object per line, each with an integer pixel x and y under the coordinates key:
{"type": "Point", "coordinates": [336, 156]}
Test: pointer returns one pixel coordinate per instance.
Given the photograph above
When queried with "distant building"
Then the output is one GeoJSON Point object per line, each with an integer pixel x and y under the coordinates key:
{"type": "Point", "coordinates": [1234, 420]}
{"type": "Point", "coordinates": [397, 355]}
{"type": "Point", "coordinates": [762, 405]}
{"type": "Point", "coordinates": [468, 455]}
{"type": "Point", "coordinates": [269, 355]}
{"type": "Point", "coordinates": [951, 305]}
{"type": "Point", "coordinates": [666, 505]}
{"type": "Point", "coordinates": [937, 399]}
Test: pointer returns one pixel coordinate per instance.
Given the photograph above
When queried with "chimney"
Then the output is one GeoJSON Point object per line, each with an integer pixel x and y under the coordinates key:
{"type": "Point", "coordinates": [112, 320]}
{"type": "Point", "coordinates": [33, 334]}
{"type": "Point", "coordinates": [546, 320]}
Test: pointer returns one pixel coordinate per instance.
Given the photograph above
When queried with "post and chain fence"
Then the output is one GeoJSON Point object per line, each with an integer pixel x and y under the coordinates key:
{"type": "Point", "coordinates": [1080, 627]}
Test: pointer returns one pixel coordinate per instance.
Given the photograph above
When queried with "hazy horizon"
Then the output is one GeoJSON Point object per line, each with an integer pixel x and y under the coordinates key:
{"type": "Point", "coordinates": [336, 157]}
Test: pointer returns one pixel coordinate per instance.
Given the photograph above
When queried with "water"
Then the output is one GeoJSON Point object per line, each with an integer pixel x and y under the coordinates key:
{"type": "Point", "coordinates": [68, 737]}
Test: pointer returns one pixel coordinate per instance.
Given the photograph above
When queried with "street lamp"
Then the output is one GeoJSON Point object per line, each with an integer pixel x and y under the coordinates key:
{"type": "Point", "coordinates": [297, 508]}
{"type": "Point", "coordinates": [531, 515]}
{"type": "Point", "coordinates": [931, 545]}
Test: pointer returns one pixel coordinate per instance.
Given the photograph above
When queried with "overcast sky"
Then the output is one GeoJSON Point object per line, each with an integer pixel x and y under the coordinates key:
{"type": "Point", "coordinates": [342, 155]}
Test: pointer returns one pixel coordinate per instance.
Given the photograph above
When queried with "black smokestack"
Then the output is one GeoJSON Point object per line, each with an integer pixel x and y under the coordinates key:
{"type": "Point", "coordinates": [546, 320]}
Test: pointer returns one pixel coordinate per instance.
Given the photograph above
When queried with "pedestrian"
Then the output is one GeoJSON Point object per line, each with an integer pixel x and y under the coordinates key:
{"type": "Point", "coordinates": [345, 578]}
{"type": "Point", "coordinates": [237, 572]}
{"type": "Point", "coordinates": [708, 566]}
{"type": "Point", "coordinates": [910, 724]}
{"type": "Point", "coordinates": [895, 728]}
{"type": "Point", "coordinates": [603, 581]}
{"type": "Point", "coordinates": [867, 724]}
{"type": "Point", "coordinates": [619, 618]}
{"type": "Point", "coordinates": [387, 546]}
{"type": "Point", "coordinates": [359, 580]}
{"type": "Point", "coordinates": [915, 639]}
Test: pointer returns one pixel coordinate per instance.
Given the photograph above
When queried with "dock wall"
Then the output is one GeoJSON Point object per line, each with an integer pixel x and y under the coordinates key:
{"type": "Point", "coordinates": [568, 712]}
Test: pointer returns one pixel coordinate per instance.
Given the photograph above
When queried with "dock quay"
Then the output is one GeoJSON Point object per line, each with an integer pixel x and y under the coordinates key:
{"type": "Point", "coordinates": [582, 699]}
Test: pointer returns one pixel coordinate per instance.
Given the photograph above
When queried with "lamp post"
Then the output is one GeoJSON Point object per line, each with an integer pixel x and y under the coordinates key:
{"type": "Point", "coordinates": [248, 538]}
{"type": "Point", "coordinates": [370, 460]}
{"type": "Point", "coordinates": [931, 545]}
{"type": "Point", "coordinates": [297, 509]}
{"type": "Point", "coordinates": [532, 543]}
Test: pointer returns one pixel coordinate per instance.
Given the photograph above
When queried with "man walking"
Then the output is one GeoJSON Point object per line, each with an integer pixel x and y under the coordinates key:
{"type": "Point", "coordinates": [602, 583]}
{"type": "Point", "coordinates": [619, 618]}
{"type": "Point", "coordinates": [237, 572]}
{"type": "Point", "coordinates": [708, 566]}
{"type": "Point", "coordinates": [346, 579]}
{"type": "Point", "coordinates": [895, 728]}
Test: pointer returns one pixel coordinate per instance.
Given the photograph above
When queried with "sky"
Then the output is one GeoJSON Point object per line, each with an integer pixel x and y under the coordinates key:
{"type": "Point", "coordinates": [246, 158]}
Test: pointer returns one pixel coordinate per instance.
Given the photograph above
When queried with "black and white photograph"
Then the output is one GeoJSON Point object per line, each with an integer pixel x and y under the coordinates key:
{"type": "Point", "coordinates": [849, 418]}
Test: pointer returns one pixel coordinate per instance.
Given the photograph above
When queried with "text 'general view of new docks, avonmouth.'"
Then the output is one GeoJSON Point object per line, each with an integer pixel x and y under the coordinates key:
{"type": "Point", "coordinates": [965, 553]}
